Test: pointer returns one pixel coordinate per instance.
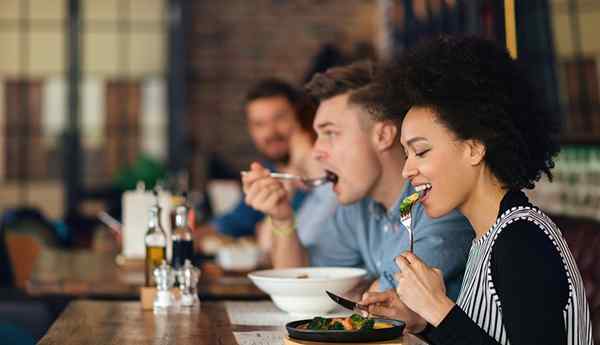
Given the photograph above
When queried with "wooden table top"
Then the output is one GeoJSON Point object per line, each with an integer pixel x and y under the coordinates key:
{"type": "Point", "coordinates": [117, 322]}
{"type": "Point", "coordinates": [86, 274]}
{"type": "Point", "coordinates": [112, 322]}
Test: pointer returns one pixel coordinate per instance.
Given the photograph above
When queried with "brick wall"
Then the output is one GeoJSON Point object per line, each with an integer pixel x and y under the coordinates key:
{"type": "Point", "coordinates": [233, 43]}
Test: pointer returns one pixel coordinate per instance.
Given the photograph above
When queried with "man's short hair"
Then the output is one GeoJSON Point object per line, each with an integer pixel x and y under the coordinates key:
{"type": "Point", "coordinates": [339, 80]}
{"type": "Point", "coordinates": [273, 87]}
{"type": "Point", "coordinates": [357, 80]}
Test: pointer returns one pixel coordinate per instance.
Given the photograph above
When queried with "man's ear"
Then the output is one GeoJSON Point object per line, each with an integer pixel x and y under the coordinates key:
{"type": "Point", "coordinates": [385, 134]}
{"type": "Point", "coordinates": [476, 151]}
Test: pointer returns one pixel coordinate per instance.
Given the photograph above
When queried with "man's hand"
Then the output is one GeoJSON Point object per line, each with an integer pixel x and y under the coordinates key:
{"type": "Point", "coordinates": [422, 288]}
{"type": "Point", "coordinates": [200, 234]}
{"type": "Point", "coordinates": [388, 304]}
{"type": "Point", "coordinates": [267, 194]}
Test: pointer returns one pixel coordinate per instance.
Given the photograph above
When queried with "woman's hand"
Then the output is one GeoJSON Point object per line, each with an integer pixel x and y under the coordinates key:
{"type": "Point", "coordinates": [266, 194]}
{"type": "Point", "coordinates": [388, 304]}
{"type": "Point", "coordinates": [422, 288]}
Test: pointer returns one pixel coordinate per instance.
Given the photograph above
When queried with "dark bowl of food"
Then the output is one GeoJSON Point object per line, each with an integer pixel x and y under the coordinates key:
{"type": "Point", "coordinates": [352, 329]}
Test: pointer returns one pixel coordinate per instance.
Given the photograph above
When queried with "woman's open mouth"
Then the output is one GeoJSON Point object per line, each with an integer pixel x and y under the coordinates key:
{"type": "Point", "coordinates": [423, 190]}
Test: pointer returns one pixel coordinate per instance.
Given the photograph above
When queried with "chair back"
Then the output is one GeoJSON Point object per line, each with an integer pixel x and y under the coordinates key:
{"type": "Point", "coordinates": [23, 250]}
{"type": "Point", "coordinates": [583, 237]}
{"type": "Point", "coordinates": [6, 273]}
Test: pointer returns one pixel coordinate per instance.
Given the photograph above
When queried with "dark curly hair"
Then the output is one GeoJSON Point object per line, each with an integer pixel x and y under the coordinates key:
{"type": "Point", "coordinates": [479, 93]}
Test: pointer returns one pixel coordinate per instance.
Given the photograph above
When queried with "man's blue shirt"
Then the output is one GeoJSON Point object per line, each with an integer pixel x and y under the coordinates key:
{"type": "Point", "coordinates": [242, 219]}
{"type": "Point", "coordinates": [363, 234]}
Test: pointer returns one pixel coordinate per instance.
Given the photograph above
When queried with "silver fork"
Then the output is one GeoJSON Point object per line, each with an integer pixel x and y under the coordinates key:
{"type": "Point", "coordinates": [308, 182]}
{"type": "Point", "coordinates": [406, 219]}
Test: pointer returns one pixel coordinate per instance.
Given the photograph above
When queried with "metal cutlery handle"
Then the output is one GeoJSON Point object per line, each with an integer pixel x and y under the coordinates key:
{"type": "Point", "coordinates": [285, 176]}
{"type": "Point", "coordinates": [410, 239]}
{"type": "Point", "coordinates": [281, 176]}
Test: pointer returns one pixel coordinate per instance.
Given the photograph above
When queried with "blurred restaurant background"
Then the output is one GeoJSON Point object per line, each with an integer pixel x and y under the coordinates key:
{"type": "Point", "coordinates": [96, 95]}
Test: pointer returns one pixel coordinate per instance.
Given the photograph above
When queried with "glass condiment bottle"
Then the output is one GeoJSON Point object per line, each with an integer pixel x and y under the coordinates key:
{"type": "Point", "coordinates": [156, 244]}
{"type": "Point", "coordinates": [176, 201]}
{"type": "Point", "coordinates": [182, 240]}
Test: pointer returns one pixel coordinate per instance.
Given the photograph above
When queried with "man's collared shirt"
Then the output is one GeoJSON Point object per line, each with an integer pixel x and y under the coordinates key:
{"type": "Point", "coordinates": [317, 207]}
{"type": "Point", "coordinates": [364, 234]}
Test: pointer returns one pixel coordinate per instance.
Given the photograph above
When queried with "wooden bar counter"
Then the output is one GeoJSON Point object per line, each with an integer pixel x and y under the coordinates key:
{"type": "Point", "coordinates": [113, 322]}
{"type": "Point", "coordinates": [124, 323]}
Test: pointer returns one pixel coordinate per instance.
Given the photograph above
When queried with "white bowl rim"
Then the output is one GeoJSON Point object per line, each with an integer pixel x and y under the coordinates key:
{"type": "Point", "coordinates": [353, 272]}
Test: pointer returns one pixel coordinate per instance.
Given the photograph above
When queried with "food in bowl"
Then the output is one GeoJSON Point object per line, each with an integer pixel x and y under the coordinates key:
{"type": "Point", "coordinates": [354, 322]}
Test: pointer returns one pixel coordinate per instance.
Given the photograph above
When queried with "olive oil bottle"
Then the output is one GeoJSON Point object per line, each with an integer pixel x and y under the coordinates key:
{"type": "Point", "coordinates": [156, 244]}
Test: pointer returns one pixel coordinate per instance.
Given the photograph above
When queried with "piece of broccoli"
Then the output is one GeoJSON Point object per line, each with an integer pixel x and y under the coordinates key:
{"type": "Point", "coordinates": [368, 324]}
{"type": "Point", "coordinates": [357, 320]}
{"type": "Point", "coordinates": [318, 323]}
{"type": "Point", "coordinates": [408, 201]}
{"type": "Point", "coordinates": [336, 326]}
{"type": "Point", "coordinates": [360, 322]}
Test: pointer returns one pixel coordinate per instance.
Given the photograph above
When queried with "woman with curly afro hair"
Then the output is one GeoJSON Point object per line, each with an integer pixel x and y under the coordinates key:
{"type": "Point", "coordinates": [475, 136]}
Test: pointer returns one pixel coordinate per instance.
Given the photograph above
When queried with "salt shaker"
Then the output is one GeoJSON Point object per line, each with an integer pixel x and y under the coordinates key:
{"type": "Point", "coordinates": [188, 276]}
{"type": "Point", "coordinates": [165, 279]}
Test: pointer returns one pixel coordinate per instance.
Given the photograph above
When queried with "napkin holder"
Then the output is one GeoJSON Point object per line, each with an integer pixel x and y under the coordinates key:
{"type": "Point", "coordinates": [136, 204]}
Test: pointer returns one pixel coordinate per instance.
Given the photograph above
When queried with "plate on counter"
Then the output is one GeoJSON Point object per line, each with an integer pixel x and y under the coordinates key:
{"type": "Point", "coordinates": [298, 330]}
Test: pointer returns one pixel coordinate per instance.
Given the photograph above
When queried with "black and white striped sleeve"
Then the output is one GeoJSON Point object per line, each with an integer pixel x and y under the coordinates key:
{"type": "Point", "coordinates": [529, 277]}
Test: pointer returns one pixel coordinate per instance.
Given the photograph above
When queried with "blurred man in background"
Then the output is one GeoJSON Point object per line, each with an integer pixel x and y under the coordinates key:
{"type": "Point", "coordinates": [319, 204]}
{"type": "Point", "coordinates": [274, 111]}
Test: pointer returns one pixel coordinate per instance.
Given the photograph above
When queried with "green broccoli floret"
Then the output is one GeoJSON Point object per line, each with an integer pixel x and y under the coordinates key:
{"type": "Point", "coordinates": [336, 326]}
{"type": "Point", "coordinates": [368, 324]}
{"type": "Point", "coordinates": [318, 323]}
{"type": "Point", "coordinates": [408, 201]}
{"type": "Point", "coordinates": [357, 320]}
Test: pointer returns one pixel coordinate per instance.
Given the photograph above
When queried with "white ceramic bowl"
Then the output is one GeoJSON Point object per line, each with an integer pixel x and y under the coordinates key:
{"type": "Point", "coordinates": [238, 257]}
{"type": "Point", "coordinates": [306, 296]}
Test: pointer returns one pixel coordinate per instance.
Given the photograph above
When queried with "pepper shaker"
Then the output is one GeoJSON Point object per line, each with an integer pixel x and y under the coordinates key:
{"type": "Point", "coordinates": [188, 277]}
{"type": "Point", "coordinates": [165, 279]}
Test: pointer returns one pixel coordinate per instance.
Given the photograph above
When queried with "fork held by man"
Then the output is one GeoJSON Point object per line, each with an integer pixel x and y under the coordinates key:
{"type": "Point", "coordinates": [308, 182]}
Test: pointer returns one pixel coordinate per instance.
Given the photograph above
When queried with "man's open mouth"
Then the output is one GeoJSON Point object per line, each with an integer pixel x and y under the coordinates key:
{"type": "Point", "coordinates": [331, 176]}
